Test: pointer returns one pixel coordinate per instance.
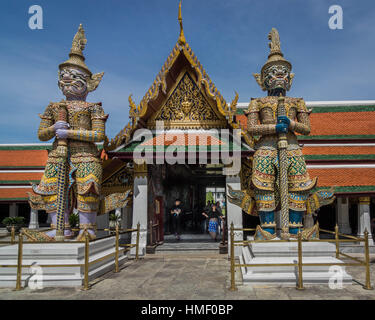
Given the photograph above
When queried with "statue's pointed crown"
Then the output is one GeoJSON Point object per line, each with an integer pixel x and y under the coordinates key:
{"type": "Point", "coordinates": [76, 57]}
{"type": "Point", "coordinates": [275, 56]}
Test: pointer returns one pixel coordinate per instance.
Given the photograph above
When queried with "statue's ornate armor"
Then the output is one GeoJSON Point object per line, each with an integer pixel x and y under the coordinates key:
{"type": "Point", "coordinates": [87, 126]}
{"type": "Point", "coordinates": [262, 118]}
{"type": "Point", "coordinates": [278, 179]}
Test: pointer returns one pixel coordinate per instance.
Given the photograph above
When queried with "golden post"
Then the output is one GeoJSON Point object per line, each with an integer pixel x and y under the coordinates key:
{"type": "Point", "coordinates": [87, 252]}
{"type": "Point", "coordinates": [282, 146]}
{"type": "Point", "coordinates": [337, 241]}
{"type": "Point", "coordinates": [12, 235]}
{"type": "Point", "coordinates": [367, 286]}
{"type": "Point", "coordinates": [300, 275]}
{"type": "Point", "coordinates": [137, 243]}
{"type": "Point", "coordinates": [232, 270]}
{"type": "Point", "coordinates": [116, 253]}
{"type": "Point", "coordinates": [19, 262]}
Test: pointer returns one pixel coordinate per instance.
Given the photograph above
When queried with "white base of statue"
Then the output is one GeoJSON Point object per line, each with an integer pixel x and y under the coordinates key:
{"type": "Point", "coordinates": [57, 254]}
{"type": "Point", "coordinates": [287, 252]}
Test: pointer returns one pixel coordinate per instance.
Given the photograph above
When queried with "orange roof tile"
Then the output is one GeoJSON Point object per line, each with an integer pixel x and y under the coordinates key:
{"type": "Point", "coordinates": [336, 123]}
{"type": "Point", "coordinates": [344, 176]}
{"type": "Point", "coordinates": [11, 193]}
{"type": "Point", "coordinates": [23, 158]}
{"type": "Point", "coordinates": [342, 123]}
{"type": "Point", "coordinates": [333, 150]}
{"type": "Point", "coordinates": [183, 139]}
{"type": "Point", "coordinates": [23, 176]}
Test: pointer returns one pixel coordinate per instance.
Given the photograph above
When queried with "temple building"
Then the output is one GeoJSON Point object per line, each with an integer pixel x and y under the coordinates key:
{"type": "Point", "coordinates": [340, 150]}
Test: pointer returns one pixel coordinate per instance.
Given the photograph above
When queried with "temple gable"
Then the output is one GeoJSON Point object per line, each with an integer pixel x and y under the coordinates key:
{"type": "Point", "coordinates": [186, 106]}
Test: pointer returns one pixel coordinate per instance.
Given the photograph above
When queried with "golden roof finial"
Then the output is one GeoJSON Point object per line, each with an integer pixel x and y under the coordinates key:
{"type": "Point", "coordinates": [181, 39]}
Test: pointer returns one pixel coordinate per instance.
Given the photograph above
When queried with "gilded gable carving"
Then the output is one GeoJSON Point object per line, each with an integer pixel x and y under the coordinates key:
{"type": "Point", "coordinates": [187, 103]}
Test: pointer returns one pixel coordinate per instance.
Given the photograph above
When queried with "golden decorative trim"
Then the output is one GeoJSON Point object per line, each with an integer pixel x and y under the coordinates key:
{"type": "Point", "coordinates": [186, 89]}
{"type": "Point", "coordinates": [140, 170]}
{"type": "Point", "coordinates": [364, 200]}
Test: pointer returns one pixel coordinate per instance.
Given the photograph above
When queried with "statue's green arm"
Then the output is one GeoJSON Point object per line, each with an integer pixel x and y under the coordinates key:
{"type": "Point", "coordinates": [46, 130]}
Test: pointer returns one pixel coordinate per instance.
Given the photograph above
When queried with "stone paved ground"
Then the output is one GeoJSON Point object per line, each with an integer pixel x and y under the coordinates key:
{"type": "Point", "coordinates": [188, 276]}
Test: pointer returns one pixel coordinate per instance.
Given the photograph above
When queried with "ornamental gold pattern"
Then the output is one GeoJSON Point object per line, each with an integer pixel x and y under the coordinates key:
{"type": "Point", "coordinates": [204, 83]}
{"type": "Point", "coordinates": [186, 104]}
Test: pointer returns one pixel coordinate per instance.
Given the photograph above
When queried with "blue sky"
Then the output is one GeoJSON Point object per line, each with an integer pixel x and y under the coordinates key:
{"type": "Point", "coordinates": [130, 40]}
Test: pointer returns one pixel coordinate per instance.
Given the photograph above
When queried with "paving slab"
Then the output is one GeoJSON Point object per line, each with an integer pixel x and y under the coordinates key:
{"type": "Point", "coordinates": [194, 276]}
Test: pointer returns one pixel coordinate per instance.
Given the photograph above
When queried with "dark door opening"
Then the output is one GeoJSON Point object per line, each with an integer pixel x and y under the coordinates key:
{"type": "Point", "coordinates": [193, 185]}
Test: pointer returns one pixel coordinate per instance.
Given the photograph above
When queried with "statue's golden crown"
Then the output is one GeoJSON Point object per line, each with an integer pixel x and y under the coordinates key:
{"type": "Point", "coordinates": [275, 56]}
{"type": "Point", "coordinates": [77, 59]}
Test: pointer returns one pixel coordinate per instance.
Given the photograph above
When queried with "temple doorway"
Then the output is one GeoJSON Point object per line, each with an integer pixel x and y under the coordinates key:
{"type": "Point", "coordinates": [194, 185]}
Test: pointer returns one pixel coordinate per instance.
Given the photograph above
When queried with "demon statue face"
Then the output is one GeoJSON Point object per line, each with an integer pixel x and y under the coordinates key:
{"type": "Point", "coordinates": [277, 78]}
{"type": "Point", "coordinates": [73, 83]}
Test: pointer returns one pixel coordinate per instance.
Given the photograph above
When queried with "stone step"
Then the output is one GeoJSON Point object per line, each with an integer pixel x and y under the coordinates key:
{"type": "Point", "coordinates": [291, 277]}
{"type": "Point", "coordinates": [288, 249]}
{"type": "Point", "coordinates": [282, 260]}
{"type": "Point", "coordinates": [58, 254]}
{"type": "Point", "coordinates": [287, 252]}
{"type": "Point", "coordinates": [189, 246]}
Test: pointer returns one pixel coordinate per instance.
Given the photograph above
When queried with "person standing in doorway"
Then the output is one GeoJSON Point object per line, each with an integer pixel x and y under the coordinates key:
{"type": "Point", "coordinates": [205, 212]}
{"type": "Point", "coordinates": [176, 212]}
{"type": "Point", "coordinates": [213, 217]}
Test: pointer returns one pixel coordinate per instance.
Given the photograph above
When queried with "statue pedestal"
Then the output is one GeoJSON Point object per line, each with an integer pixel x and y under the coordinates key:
{"type": "Point", "coordinates": [57, 254]}
{"type": "Point", "coordinates": [278, 253]}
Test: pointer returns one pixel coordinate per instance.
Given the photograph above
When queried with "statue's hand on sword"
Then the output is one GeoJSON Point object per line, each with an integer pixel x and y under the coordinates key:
{"type": "Point", "coordinates": [61, 125]}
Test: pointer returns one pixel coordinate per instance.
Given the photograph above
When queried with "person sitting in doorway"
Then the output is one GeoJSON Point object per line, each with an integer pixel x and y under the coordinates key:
{"type": "Point", "coordinates": [176, 212]}
{"type": "Point", "coordinates": [213, 217]}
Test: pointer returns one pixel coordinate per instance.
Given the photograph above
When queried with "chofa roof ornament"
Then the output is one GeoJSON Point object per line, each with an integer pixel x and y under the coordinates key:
{"type": "Point", "coordinates": [181, 38]}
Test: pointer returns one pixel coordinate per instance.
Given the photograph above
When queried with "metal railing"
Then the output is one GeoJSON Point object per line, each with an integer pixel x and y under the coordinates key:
{"type": "Point", "coordinates": [300, 264]}
{"type": "Point", "coordinates": [86, 286]}
{"type": "Point", "coordinates": [12, 235]}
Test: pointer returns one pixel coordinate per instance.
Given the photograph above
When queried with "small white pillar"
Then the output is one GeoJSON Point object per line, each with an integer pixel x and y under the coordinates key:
{"type": "Point", "coordinates": [13, 210]}
{"type": "Point", "coordinates": [234, 214]}
{"type": "Point", "coordinates": [342, 211]}
{"type": "Point", "coordinates": [34, 222]}
{"type": "Point", "coordinates": [140, 208]}
{"type": "Point", "coordinates": [364, 222]}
